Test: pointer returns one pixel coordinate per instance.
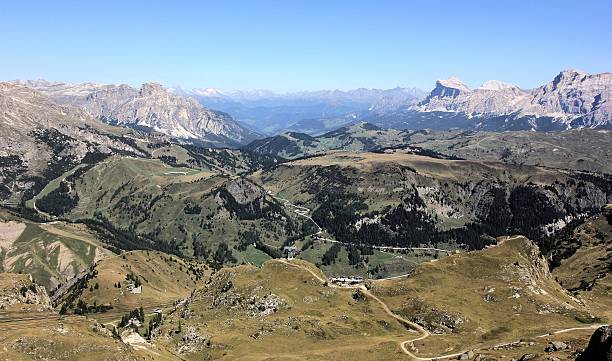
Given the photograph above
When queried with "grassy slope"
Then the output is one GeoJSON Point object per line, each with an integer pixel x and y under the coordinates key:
{"type": "Point", "coordinates": [70, 339]}
{"type": "Point", "coordinates": [587, 270]}
{"type": "Point", "coordinates": [314, 323]}
{"type": "Point", "coordinates": [150, 197]}
{"type": "Point", "coordinates": [41, 334]}
{"type": "Point", "coordinates": [501, 294]}
{"type": "Point", "coordinates": [165, 278]}
{"type": "Point", "coordinates": [51, 252]}
{"type": "Point", "coordinates": [451, 189]}
{"type": "Point", "coordinates": [383, 178]}
{"type": "Point", "coordinates": [582, 149]}
{"type": "Point", "coordinates": [357, 137]}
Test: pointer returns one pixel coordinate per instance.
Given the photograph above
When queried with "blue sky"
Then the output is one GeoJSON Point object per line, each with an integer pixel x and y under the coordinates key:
{"type": "Point", "coordinates": [303, 45]}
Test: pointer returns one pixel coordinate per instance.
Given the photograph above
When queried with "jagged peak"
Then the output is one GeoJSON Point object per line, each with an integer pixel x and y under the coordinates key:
{"type": "Point", "coordinates": [151, 88]}
{"type": "Point", "coordinates": [571, 72]}
{"type": "Point", "coordinates": [454, 83]}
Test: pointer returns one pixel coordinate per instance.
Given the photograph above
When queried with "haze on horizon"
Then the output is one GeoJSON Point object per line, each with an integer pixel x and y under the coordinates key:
{"type": "Point", "coordinates": [302, 45]}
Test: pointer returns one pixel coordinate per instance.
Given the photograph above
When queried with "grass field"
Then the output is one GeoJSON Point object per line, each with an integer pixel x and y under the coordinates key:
{"type": "Point", "coordinates": [497, 295]}
{"type": "Point", "coordinates": [164, 279]}
{"type": "Point", "coordinates": [251, 256]}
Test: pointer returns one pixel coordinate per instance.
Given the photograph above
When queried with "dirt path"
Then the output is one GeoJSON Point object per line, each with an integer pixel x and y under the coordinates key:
{"type": "Point", "coordinates": [404, 345]}
{"type": "Point", "coordinates": [423, 332]}
{"type": "Point", "coordinates": [565, 330]}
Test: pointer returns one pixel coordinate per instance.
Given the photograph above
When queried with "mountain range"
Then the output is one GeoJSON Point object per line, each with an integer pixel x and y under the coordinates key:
{"type": "Point", "coordinates": [150, 107]}
{"type": "Point", "coordinates": [312, 112]}
{"type": "Point", "coordinates": [573, 99]}
{"type": "Point", "coordinates": [40, 140]}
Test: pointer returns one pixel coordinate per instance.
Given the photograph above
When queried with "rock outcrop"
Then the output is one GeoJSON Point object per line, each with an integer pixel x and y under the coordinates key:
{"type": "Point", "coordinates": [17, 290]}
{"type": "Point", "coordinates": [600, 346]}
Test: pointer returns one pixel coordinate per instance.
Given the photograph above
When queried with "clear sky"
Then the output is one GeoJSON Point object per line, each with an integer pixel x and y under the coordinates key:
{"type": "Point", "coordinates": [303, 44]}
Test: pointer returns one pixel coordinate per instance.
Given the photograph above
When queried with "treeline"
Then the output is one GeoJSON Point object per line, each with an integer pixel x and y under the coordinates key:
{"type": "Point", "coordinates": [82, 308]}
{"type": "Point", "coordinates": [68, 302]}
{"type": "Point", "coordinates": [119, 239]}
{"type": "Point", "coordinates": [331, 255]}
{"type": "Point", "coordinates": [59, 201]}
{"type": "Point", "coordinates": [256, 209]}
{"type": "Point", "coordinates": [525, 210]}
{"type": "Point", "coordinates": [252, 237]}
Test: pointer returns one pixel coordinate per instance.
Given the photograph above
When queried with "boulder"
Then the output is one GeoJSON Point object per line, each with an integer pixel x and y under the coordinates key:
{"type": "Point", "coordinates": [528, 356]}
{"type": "Point", "coordinates": [466, 355]}
{"type": "Point", "coordinates": [556, 346]}
{"type": "Point", "coordinates": [600, 346]}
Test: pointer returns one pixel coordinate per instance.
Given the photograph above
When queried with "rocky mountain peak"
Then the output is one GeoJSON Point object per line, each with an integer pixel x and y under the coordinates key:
{"type": "Point", "coordinates": [569, 76]}
{"type": "Point", "coordinates": [447, 88]}
{"type": "Point", "coordinates": [151, 89]}
{"type": "Point", "coordinates": [454, 83]}
{"type": "Point", "coordinates": [573, 99]}
{"type": "Point", "coordinates": [151, 106]}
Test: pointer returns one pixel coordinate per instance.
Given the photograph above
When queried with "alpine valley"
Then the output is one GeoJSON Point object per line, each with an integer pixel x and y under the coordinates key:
{"type": "Point", "coordinates": [154, 223]}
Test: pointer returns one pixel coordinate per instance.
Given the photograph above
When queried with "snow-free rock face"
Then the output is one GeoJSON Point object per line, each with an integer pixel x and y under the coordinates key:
{"type": "Point", "coordinates": [576, 94]}
{"type": "Point", "coordinates": [493, 97]}
{"type": "Point", "coordinates": [152, 107]}
{"type": "Point", "coordinates": [573, 98]}
{"type": "Point", "coordinates": [450, 88]}
{"type": "Point", "coordinates": [18, 290]}
{"type": "Point", "coordinates": [39, 137]}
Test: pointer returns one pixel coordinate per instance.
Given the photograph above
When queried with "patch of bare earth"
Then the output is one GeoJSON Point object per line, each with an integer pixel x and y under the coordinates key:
{"type": "Point", "coordinates": [9, 232]}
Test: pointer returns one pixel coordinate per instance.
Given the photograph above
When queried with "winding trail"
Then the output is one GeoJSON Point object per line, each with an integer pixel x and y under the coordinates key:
{"type": "Point", "coordinates": [565, 330]}
{"type": "Point", "coordinates": [405, 345]}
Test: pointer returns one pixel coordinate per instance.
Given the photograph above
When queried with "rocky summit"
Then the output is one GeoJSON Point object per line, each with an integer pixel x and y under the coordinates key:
{"type": "Point", "coordinates": [573, 99]}
{"type": "Point", "coordinates": [150, 107]}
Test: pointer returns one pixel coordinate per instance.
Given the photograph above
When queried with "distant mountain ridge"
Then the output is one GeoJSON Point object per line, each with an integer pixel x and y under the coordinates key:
{"type": "Point", "coordinates": [573, 99]}
{"type": "Point", "coordinates": [151, 107]}
{"type": "Point", "coordinates": [312, 112]}
{"type": "Point", "coordinates": [579, 149]}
